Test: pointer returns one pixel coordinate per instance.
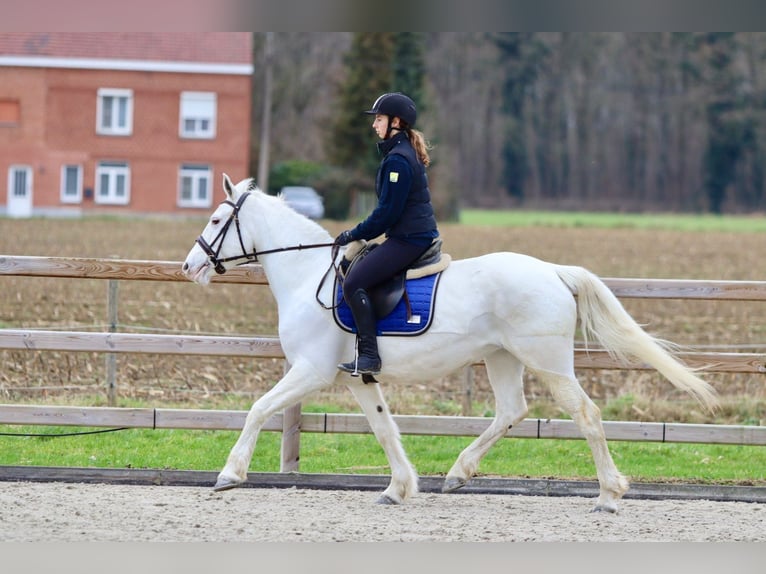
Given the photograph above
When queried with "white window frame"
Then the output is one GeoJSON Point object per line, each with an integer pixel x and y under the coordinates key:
{"type": "Point", "coordinates": [116, 95]}
{"type": "Point", "coordinates": [197, 108]}
{"type": "Point", "coordinates": [69, 198]}
{"type": "Point", "coordinates": [112, 169]}
{"type": "Point", "coordinates": [28, 174]}
{"type": "Point", "coordinates": [195, 173]}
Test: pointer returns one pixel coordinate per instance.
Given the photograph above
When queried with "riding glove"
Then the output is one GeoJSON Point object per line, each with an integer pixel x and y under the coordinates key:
{"type": "Point", "coordinates": [344, 238]}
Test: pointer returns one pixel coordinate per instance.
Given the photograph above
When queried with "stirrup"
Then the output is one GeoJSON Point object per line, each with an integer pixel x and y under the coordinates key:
{"type": "Point", "coordinates": [367, 378]}
{"type": "Point", "coordinates": [352, 367]}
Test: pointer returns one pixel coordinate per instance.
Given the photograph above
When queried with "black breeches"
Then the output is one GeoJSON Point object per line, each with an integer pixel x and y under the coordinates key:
{"type": "Point", "coordinates": [389, 258]}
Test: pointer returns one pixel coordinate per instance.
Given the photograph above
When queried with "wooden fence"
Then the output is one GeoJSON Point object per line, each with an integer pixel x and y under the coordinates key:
{"type": "Point", "coordinates": [292, 421]}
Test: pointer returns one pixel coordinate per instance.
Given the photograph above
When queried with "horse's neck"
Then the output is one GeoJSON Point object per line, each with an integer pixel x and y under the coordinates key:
{"type": "Point", "coordinates": [290, 272]}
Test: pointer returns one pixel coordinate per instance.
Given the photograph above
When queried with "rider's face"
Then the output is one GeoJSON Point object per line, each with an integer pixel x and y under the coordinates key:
{"type": "Point", "coordinates": [380, 125]}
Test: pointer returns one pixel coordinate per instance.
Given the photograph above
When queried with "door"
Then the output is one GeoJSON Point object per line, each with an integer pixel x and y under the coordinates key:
{"type": "Point", "coordinates": [19, 191]}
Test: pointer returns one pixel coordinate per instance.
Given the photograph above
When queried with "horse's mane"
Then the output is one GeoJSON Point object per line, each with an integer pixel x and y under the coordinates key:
{"type": "Point", "coordinates": [310, 225]}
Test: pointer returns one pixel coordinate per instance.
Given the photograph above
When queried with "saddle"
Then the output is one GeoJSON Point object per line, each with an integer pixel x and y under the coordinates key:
{"type": "Point", "coordinates": [386, 296]}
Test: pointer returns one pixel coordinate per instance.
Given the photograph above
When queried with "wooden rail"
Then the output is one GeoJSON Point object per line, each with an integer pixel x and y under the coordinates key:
{"type": "Point", "coordinates": [269, 347]}
{"type": "Point", "coordinates": [31, 340]}
{"type": "Point", "coordinates": [90, 268]}
{"type": "Point", "coordinates": [201, 419]}
{"type": "Point", "coordinates": [687, 289]}
{"type": "Point", "coordinates": [292, 422]}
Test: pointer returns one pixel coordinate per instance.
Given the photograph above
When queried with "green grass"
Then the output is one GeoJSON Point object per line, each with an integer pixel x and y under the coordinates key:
{"type": "Point", "coordinates": [668, 221]}
{"type": "Point", "coordinates": [350, 454]}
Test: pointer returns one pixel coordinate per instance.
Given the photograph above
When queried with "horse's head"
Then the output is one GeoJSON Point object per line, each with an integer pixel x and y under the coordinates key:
{"type": "Point", "coordinates": [219, 246]}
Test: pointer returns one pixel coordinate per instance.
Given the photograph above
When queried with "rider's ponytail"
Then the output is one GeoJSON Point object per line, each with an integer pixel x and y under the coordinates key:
{"type": "Point", "coordinates": [418, 141]}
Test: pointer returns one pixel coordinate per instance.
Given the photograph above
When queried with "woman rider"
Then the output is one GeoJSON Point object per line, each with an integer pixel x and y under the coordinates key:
{"type": "Point", "coordinates": [403, 212]}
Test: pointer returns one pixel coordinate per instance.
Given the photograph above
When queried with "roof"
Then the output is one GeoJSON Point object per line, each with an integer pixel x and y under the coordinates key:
{"type": "Point", "coordinates": [227, 52]}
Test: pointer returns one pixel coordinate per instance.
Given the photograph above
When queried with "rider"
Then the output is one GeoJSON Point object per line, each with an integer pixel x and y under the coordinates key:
{"type": "Point", "coordinates": [403, 212]}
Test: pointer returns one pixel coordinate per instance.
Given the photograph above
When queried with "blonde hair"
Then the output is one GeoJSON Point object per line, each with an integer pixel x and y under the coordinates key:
{"type": "Point", "coordinates": [418, 141]}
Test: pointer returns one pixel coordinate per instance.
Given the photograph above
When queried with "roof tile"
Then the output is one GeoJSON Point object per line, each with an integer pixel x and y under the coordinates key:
{"type": "Point", "coordinates": [211, 47]}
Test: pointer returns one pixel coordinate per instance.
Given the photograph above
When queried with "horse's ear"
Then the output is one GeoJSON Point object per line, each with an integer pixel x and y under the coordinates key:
{"type": "Point", "coordinates": [228, 187]}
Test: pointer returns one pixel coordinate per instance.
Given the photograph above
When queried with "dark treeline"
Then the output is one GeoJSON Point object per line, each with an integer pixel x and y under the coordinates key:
{"type": "Point", "coordinates": [612, 121]}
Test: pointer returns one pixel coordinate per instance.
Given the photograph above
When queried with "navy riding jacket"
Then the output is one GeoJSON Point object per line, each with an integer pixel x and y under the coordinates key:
{"type": "Point", "coordinates": [404, 209]}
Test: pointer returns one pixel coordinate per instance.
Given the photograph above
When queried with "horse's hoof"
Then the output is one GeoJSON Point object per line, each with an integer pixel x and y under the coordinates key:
{"type": "Point", "coordinates": [387, 500]}
{"type": "Point", "coordinates": [453, 483]}
{"type": "Point", "coordinates": [224, 483]}
{"type": "Point", "coordinates": [604, 508]}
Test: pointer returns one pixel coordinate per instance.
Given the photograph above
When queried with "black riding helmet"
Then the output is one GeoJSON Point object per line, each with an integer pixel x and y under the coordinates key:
{"type": "Point", "coordinates": [395, 104]}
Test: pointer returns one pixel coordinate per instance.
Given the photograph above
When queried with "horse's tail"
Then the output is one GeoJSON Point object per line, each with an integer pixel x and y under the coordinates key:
{"type": "Point", "coordinates": [603, 316]}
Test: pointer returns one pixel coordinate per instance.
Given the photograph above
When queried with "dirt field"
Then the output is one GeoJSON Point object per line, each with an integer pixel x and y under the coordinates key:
{"type": "Point", "coordinates": [57, 512]}
{"type": "Point", "coordinates": [249, 310]}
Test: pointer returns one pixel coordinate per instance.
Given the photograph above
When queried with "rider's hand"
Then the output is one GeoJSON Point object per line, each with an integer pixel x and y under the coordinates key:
{"type": "Point", "coordinates": [344, 238]}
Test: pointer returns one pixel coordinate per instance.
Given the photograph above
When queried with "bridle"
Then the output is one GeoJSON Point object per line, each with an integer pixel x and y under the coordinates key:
{"type": "Point", "coordinates": [210, 248]}
{"type": "Point", "coordinates": [213, 252]}
{"type": "Point", "coordinates": [213, 249]}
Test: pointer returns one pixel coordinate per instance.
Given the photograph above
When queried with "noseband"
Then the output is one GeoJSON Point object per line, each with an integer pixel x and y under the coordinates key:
{"type": "Point", "coordinates": [213, 252]}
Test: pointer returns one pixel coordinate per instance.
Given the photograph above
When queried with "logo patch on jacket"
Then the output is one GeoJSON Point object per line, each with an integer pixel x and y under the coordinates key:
{"type": "Point", "coordinates": [393, 177]}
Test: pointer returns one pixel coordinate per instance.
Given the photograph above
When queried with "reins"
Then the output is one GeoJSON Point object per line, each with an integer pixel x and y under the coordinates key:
{"type": "Point", "coordinates": [333, 267]}
{"type": "Point", "coordinates": [213, 252]}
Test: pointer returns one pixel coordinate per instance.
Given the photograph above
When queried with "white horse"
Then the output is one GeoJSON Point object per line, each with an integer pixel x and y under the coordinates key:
{"type": "Point", "coordinates": [512, 311]}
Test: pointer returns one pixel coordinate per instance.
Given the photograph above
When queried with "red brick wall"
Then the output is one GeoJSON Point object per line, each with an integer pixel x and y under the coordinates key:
{"type": "Point", "coordinates": [58, 126]}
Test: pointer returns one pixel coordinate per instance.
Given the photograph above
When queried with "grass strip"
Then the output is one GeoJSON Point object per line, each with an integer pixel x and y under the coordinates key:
{"type": "Point", "coordinates": [666, 221]}
{"type": "Point", "coordinates": [361, 454]}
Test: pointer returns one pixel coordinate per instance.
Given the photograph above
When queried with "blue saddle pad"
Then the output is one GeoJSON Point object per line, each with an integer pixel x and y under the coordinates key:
{"type": "Point", "coordinates": [422, 296]}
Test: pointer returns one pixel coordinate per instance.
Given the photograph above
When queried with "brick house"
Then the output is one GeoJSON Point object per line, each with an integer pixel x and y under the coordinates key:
{"type": "Point", "coordinates": [133, 122]}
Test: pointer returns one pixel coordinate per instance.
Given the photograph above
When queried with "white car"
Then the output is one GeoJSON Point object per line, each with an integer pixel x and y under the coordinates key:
{"type": "Point", "coordinates": [304, 200]}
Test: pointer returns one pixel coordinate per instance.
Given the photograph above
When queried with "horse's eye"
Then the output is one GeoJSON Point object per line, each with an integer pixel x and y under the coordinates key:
{"type": "Point", "coordinates": [215, 220]}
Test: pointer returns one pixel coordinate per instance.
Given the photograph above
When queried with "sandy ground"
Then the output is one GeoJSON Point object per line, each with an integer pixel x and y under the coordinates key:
{"type": "Point", "coordinates": [61, 512]}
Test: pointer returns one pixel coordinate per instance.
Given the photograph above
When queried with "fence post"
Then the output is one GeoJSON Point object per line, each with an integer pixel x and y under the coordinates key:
{"type": "Point", "coordinates": [111, 358]}
{"type": "Point", "coordinates": [291, 436]}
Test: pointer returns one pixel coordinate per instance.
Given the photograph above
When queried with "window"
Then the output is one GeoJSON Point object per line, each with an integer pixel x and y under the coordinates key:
{"type": "Point", "coordinates": [198, 115]}
{"type": "Point", "coordinates": [114, 112]}
{"type": "Point", "coordinates": [194, 186]}
{"type": "Point", "coordinates": [112, 183]}
{"type": "Point", "coordinates": [71, 184]}
{"type": "Point", "coordinates": [10, 112]}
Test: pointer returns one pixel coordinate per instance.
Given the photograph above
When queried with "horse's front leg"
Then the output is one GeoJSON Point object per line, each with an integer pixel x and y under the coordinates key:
{"type": "Point", "coordinates": [300, 381]}
{"type": "Point", "coordinates": [404, 479]}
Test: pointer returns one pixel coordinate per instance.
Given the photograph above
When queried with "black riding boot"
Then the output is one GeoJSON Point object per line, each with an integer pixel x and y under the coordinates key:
{"type": "Point", "coordinates": [367, 360]}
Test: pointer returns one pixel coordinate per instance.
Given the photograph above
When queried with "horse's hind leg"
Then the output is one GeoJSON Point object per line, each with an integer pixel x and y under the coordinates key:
{"type": "Point", "coordinates": [505, 375]}
{"type": "Point", "coordinates": [568, 393]}
{"type": "Point", "coordinates": [404, 479]}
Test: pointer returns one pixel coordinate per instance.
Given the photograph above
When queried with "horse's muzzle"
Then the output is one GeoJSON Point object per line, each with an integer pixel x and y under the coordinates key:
{"type": "Point", "coordinates": [211, 255]}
